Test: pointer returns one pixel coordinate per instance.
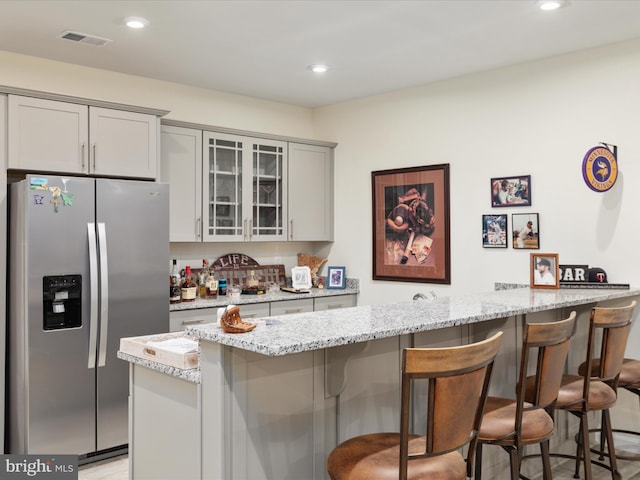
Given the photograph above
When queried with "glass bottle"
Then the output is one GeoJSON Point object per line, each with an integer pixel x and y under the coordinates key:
{"type": "Point", "coordinates": [211, 283]}
{"type": "Point", "coordinates": [188, 287]}
{"type": "Point", "coordinates": [252, 280]}
{"type": "Point", "coordinates": [175, 293]}
{"type": "Point", "coordinates": [202, 279]}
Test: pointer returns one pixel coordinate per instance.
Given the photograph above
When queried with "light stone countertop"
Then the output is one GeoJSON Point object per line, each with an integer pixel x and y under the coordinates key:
{"type": "Point", "coordinates": [287, 334]}
{"type": "Point", "coordinates": [191, 375]}
{"type": "Point", "coordinates": [351, 284]}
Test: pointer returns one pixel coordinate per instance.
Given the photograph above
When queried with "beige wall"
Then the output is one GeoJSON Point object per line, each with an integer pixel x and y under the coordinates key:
{"type": "Point", "coordinates": [534, 119]}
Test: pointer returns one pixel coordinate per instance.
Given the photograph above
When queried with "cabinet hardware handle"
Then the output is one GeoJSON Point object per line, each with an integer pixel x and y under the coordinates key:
{"type": "Point", "coordinates": [188, 322]}
{"type": "Point", "coordinates": [250, 229]}
{"type": "Point", "coordinates": [250, 315]}
{"type": "Point", "coordinates": [83, 155]}
{"type": "Point", "coordinates": [244, 229]}
{"type": "Point", "coordinates": [291, 229]}
{"type": "Point", "coordinates": [293, 310]}
{"type": "Point", "coordinates": [94, 157]}
{"type": "Point", "coordinates": [335, 305]}
{"type": "Point", "coordinates": [198, 220]}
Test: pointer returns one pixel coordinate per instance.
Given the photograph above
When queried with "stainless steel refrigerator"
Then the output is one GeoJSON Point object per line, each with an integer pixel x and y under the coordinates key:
{"type": "Point", "coordinates": [87, 266]}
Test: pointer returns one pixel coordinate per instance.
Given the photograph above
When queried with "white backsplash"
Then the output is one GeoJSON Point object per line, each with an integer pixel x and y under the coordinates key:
{"type": "Point", "coordinates": [265, 253]}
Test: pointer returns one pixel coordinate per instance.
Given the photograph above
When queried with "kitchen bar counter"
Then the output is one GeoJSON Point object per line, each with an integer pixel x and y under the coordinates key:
{"type": "Point", "coordinates": [312, 331]}
{"type": "Point", "coordinates": [273, 402]}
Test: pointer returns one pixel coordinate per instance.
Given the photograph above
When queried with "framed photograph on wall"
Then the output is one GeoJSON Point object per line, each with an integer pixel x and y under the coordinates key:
{"type": "Point", "coordinates": [411, 237]}
{"type": "Point", "coordinates": [494, 231]}
{"type": "Point", "coordinates": [335, 277]}
{"type": "Point", "coordinates": [525, 230]}
{"type": "Point", "coordinates": [511, 191]}
{"type": "Point", "coordinates": [545, 271]}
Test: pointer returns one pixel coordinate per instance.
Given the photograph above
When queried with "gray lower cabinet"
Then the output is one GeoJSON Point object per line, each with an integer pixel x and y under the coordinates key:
{"type": "Point", "coordinates": [331, 303]}
{"type": "Point", "coordinates": [165, 426]}
{"type": "Point", "coordinates": [179, 319]}
{"type": "Point", "coordinates": [289, 307]}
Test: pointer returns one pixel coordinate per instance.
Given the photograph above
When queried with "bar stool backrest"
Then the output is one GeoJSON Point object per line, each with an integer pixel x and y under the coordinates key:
{"type": "Point", "coordinates": [458, 383]}
{"type": "Point", "coordinates": [613, 325]}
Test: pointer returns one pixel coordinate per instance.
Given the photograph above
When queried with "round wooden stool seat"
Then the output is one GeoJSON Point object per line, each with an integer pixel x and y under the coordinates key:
{"type": "Point", "coordinates": [377, 456]}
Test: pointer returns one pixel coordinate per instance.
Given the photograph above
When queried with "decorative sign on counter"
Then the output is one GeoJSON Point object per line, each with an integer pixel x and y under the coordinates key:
{"type": "Point", "coordinates": [581, 276]}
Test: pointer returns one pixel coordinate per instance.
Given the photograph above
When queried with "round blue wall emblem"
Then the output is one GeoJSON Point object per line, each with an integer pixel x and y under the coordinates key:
{"type": "Point", "coordinates": [600, 169]}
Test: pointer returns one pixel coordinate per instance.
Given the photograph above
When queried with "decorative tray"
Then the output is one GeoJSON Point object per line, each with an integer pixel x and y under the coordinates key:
{"type": "Point", "coordinates": [173, 349]}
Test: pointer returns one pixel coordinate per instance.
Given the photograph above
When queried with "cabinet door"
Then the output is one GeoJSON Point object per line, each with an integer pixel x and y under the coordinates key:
{"type": "Point", "coordinates": [181, 167]}
{"type": "Point", "coordinates": [244, 188]}
{"type": "Point", "coordinates": [310, 193]}
{"type": "Point", "coordinates": [47, 136]}
{"type": "Point", "coordinates": [267, 219]}
{"type": "Point", "coordinates": [222, 188]}
{"type": "Point", "coordinates": [123, 143]}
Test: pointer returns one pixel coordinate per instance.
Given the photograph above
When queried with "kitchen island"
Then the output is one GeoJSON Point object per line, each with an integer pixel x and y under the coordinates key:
{"type": "Point", "coordinates": [273, 402]}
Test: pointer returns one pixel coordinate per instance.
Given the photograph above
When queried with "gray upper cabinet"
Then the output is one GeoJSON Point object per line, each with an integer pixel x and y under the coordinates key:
{"type": "Point", "coordinates": [181, 168]}
{"type": "Point", "coordinates": [244, 188]}
{"type": "Point", "coordinates": [54, 136]}
{"type": "Point", "coordinates": [227, 187]}
{"type": "Point", "coordinates": [310, 193]}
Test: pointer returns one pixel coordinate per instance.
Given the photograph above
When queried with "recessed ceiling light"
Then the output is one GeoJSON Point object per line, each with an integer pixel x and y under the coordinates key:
{"type": "Point", "coordinates": [550, 4]}
{"type": "Point", "coordinates": [135, 22]}
{"type": "Point", "coordinates": [318, 68]}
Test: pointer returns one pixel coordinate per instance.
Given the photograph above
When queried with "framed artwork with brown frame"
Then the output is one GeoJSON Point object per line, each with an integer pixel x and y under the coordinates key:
{"type": "Point", "coordinates": [411, 236]}
{"type": "Point", "coordinates": [545, 270]}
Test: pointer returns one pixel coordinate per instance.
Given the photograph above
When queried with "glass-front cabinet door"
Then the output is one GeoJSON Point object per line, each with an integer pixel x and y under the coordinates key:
{"type": "Point", "coordinates": [268, 191]}
{"type": "Point", "coordinates": [244, 185]}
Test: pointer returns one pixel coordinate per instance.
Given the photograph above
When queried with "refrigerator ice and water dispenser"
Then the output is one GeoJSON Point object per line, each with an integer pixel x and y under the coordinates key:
{"type": "Point", "coordinates": [61, 301]}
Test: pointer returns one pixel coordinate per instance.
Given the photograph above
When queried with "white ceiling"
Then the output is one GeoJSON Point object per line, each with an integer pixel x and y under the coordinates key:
{"type": "Point", "coordinates": [262, 48]}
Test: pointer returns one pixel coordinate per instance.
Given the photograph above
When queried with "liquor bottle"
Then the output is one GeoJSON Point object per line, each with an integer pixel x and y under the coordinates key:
{"type": "Point", "coordinates": [252, 280]}
{"type": "Point", "coordinates": [188, 287]}
{"type": "Point", "coordinates": [202, 279]}
{"type": "Point", "coordinates": [175, 294]}
{"type": "Point", "coordinates": [211, 283]}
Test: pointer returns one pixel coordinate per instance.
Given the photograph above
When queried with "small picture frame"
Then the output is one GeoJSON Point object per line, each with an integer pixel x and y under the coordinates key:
{"type": "Point", "coordinates": [525, 231]}
{"type": "Point", "coordinates": [335, 277]}
{"type": "Point", "coordinates": [511, 191]}
{"type": "Point", "coordinates": [545, 270]}
{"type": "Point", "coordinates": [301, 278]}
{"type": "Point", "coordinates": [494, 231]}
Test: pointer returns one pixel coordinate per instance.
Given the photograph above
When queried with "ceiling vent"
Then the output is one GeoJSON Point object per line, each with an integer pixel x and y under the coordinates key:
{"type": "Point", "coordinates": [84, 38]}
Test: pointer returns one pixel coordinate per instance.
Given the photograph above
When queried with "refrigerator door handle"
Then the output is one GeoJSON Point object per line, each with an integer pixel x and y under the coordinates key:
{"type": "Point", "coordinates": [93, 295]}
{"type": "Point", "coordinates": [104, 295]}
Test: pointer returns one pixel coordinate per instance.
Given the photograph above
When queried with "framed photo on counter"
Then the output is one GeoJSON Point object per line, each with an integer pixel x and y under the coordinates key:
{"type": "Point", "coordinates": [545, 270]}
{"type": "Point", "coordinates": [335, 277]}
{"type": "Point", "coordinates": [411, 237]}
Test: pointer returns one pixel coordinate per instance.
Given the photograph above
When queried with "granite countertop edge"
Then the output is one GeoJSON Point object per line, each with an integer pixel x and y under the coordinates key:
{"type": "Point", "coordinates": [296, 333]}
{"type": "Point", "coordinates": [191, 375]}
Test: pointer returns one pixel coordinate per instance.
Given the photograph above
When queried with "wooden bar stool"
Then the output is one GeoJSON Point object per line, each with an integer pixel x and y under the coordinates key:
{"type": "Point", "coordinates": [629, 380]}
{"type": "Point", "coordinates": [458, 382]}
{"type": "Point", "coordinates": [514, 423]}
{"type": "Point", "coordinates": [580, 394]}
